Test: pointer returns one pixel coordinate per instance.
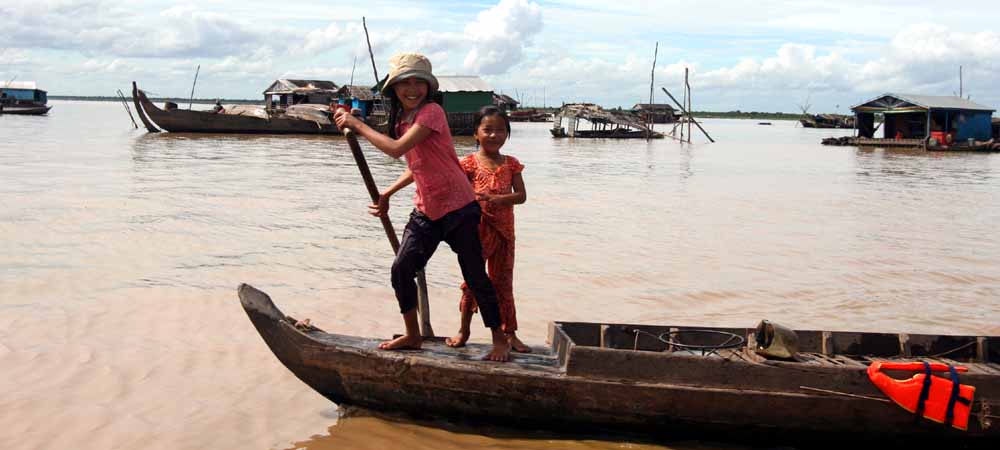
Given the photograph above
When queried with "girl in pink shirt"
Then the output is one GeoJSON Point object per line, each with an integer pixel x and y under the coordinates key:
{"type": "Point", "coordinates": [445, 206]}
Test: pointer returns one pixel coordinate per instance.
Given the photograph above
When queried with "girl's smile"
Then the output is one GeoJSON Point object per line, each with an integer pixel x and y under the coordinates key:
{"type": "Point", "coordinates": [492, 133]}
{"type": "Point", "coordinates": [411, 92]}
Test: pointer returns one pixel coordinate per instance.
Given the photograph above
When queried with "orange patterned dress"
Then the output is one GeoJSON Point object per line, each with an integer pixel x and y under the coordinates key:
{"type": "Point", "coordinates": [496, 232]}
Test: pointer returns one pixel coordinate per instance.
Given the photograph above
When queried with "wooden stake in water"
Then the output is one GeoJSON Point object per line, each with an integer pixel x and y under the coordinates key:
{"type": "Point", "coordinates": [652, 78]}
{"type": "Point", "coordinates": [423, 307]}
{"type": "Point", "coordinates": [685, 111]}
{"type": "Point", "coordinates": [127, 109]}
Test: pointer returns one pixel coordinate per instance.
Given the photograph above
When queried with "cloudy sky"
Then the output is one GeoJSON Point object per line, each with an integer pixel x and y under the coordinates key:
{"type": "Point", "coordinates": [749, 55]}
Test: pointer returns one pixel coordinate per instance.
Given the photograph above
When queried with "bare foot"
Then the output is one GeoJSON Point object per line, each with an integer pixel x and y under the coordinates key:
{"type": "Point", "coordinates": [458, 340]}
{"type": "Point", "coordinates": [501, 348]}
{"type": "Point", "coordinates": [517, 345]}
{"type": "Point", "coordinates": [404, 342]}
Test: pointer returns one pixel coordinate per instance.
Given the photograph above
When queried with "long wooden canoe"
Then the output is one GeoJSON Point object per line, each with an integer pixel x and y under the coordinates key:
{"type": "Point", "coordinates": [622, 377]}
{"type": "Point", "coordinates": [182, 120]}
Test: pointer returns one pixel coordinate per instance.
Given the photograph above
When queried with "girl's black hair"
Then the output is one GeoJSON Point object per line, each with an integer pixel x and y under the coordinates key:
{"type": "Point", "coordinates": [396, 107]}
{"type": "Point", "coordinates": [490, 111]}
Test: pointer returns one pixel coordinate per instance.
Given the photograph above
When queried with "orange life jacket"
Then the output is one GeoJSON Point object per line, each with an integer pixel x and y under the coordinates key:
{"type": "Point", "coordinates": [939, 399]}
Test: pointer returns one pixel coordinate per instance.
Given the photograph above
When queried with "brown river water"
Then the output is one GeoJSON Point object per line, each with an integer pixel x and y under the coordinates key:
{"type": "Point", "coordinates": [121, 252]}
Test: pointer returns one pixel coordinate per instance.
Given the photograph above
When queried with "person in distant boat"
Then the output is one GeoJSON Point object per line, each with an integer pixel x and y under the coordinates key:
{"type": "Point", "coordinates": [497, 182]}
{"type": "Point", "coordinates": [219, 109]}
{"type": "Point", "coordinates": [445, 206]}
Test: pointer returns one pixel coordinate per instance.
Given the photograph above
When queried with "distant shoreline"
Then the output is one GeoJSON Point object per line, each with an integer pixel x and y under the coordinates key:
{"type": "Point", "coordinates": [751, 115]}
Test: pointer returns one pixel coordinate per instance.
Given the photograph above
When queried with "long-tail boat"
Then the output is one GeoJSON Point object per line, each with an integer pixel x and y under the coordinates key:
{"type": "Point", "coordinates": [648, 378]}
{"type": "Point", "coordinates": [182, 120]}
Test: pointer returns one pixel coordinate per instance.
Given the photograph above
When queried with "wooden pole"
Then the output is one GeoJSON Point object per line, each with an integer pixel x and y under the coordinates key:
{"type": "Point", "coordinates": [127, 109]}
{"type": "Point", "coordinates": [423, 308]}
{"type": "Point", "coordinates": [684, 102]}
{"type": "Point", "coordinates": [191, 100]}
{"type": "Point", "coordinates": [688, 114]}
{"type": "Point", "coordinates": [353, 66]}
{"type": "Point", "coordinates": [652, 77]}
{"type": "Point", "coordinates": [687, 88]}
{"type": "Point", "coordinates": [370, 54]}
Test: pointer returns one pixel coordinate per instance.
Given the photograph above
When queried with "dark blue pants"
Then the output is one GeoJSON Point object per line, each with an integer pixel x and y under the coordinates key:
{"type": "Point", "coordinates": [460, 229]}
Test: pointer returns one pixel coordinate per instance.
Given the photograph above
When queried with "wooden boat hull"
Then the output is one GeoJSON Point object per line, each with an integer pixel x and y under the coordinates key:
{"type": "Point", "coordinates": [574, 384]}
{"type": "Point", "coordinates": [25, 110]}
{"type": "Point", "coordinates": [187, 121]}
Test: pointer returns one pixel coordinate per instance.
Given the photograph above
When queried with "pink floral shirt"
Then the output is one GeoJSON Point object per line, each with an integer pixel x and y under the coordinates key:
{"type": "Point", "coordinates": [442, 186]}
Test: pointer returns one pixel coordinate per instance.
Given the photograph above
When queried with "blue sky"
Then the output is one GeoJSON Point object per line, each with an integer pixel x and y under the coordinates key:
{"type": "Point", "coordinates": [749, 55]}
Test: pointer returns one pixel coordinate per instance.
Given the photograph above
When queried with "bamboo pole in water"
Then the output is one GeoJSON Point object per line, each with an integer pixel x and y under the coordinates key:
{"type": "Point", "coordinates": [423, 307]}
{"type": "Point", "coordinates": [687, 90]}
{"type": "Point", "coordinates": [652, 78]}
{"type": "Point", "coordinates": [127, 109]}
{"type": "Point", "coordinates": [683, 110]}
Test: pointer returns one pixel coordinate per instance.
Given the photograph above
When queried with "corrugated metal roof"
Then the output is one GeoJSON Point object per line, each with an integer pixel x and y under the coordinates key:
{"type": "Point", "coordinates": [932, 102]}
{"type": "Point", "coordinates": [653, 106]}
{"type": "Point", "coordinates": [462, 83]}
{"type": "Point", "coordinates": [286, 86]}
{"type": "Point", "coordinates": [363, 93]}
{"type": "Point", "coordinates": [19, 85]}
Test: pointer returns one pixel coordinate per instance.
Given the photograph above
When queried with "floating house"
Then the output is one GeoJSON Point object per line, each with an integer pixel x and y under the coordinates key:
{"type": "Point", "coordinates": [24, 92]}
{"type": "Point", "coordinates": [923, 120]}
{"type": "Point", "coordinates": [284, 93]}
{"type": "Point", "coordinates": [996, 128]}
{"type": "Point", "coordinates": [23, 97]}
{"type": "Point", "coordinates": [360, 97]}
{"type": "Point", "coordinates": [655, 112]}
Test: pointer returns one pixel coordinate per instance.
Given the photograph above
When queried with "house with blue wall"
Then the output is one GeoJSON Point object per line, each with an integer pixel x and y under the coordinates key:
{"type": "Point", "coordinates": [361, 97]}
{"type": "Point", "coordinates": [942, 118]}
{"type": "Point", "coordinates": [23, 92]}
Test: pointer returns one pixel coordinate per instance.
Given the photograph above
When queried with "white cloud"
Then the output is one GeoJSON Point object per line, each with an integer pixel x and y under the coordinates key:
{"type": "Point", "coordinates": [332, 37]}
{"type": "Point", "coordinates": [500, 34]}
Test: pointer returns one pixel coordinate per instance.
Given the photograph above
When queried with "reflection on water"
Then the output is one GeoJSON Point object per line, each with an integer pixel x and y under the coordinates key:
{"type": "Point", "coordinates": [122, 249]}
{"type": "Point", "coordinates": [366, 430]}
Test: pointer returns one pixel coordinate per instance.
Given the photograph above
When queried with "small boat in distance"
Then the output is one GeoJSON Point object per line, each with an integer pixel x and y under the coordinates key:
{"type": "Point", "coordinates": [827, 121]}
{"type": "Point", "coordinates": [23, 98]}
{"type": "Point", "coordinates": [648, 378]}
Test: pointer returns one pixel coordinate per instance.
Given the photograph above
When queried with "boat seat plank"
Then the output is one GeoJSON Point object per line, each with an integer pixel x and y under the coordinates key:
{"type": "Point", "coordinates": [435, 350]}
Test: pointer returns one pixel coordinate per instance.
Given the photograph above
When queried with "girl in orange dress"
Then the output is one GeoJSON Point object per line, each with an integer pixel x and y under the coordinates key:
{"type": "Point", "coordinates": [496, 180]}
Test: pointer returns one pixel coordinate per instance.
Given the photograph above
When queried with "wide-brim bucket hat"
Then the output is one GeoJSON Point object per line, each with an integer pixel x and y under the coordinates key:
{"type": "Point", "coordinates": [410, 65]}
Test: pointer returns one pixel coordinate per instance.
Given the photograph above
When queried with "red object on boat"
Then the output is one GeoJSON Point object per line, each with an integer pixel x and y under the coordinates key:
{"type": "Point", "coordinates": [942, 400]}
{"type": "Point", "coordinates": [939, 135]}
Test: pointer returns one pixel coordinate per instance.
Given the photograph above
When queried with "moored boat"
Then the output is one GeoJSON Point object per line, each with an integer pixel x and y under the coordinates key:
{"type": "Point", "coordinates": [310, 121]}
{"type": "Point", "coordinates": [23, 98]}
{"type": "Point", "coordinates": [645, 378]}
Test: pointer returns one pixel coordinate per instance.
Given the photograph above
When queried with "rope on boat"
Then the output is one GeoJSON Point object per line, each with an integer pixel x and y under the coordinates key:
{"type": "Point", "coordinates": [733, 340]}
{"type": "Point", "coordinates": [960, 347]}
{"type": "Point", "coordinates": [844, 394]}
